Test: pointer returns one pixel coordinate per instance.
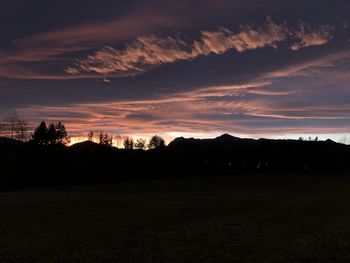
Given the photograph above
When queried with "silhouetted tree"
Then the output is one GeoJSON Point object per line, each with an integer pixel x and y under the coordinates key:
{"type": "Point", "coordinates": [22, 131]}
{"type": "Point", "coordinates": [40, 135]}
{"type": "Point", "coordinates": [105, 140]}
{"type": "Point", "coordinates": [128, 143]}
{"type": "Point", "coordinates": [310, 139]}
{"type": "Point", "coordinates": [51, 134]}
{"type": "Point", "coordinates": [90, 136]}
{"type": "Point", "coordinates": [108, 140]}
{"type": "Point", "coordinates": [100, 138]}
{"type": "Point", "coordinates": [14, 128]}
{"type": "Point", "coordinates": [140, 144]}
{"type": "Point", "coordinates": [54, 134]}
{"type": "Point", "coordinates": [156, 142]}
{"type": "Point", "coordinates": [61, 134]}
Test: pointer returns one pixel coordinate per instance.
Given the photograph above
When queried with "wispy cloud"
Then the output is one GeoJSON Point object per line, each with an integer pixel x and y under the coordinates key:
{"type": "Point", "coordinates": [256, 109]}
{"type": "Point", "coordinates": [55, 48]}
{"type": "Point", "coordinates": [60, 54]}
{"type": "Point", "coordinates": [144, 51]}
{"type": "Point", "coordinates": [312, 36]}
{"type": "Point", "coordinates": [248, 38]}
{"type": "Point", "coordinates": [90, 35]}
{"type": "Point", "coordinates": [149, 51]}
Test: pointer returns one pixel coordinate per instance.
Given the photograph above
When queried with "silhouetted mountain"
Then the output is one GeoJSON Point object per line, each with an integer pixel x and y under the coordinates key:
{"type": "Point", "coordinates": [24, 164]}
{"type": "Point", "coordinates": [221, 141]}
{"type": "Point", "coordinates": [84, 146]}
{"type": "Point", "coordinates": [5, 142]}
{"type": "Point", "coordinates": [227, 154]}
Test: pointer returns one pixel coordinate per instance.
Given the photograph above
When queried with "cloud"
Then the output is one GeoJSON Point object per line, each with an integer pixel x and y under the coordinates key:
{"type": "Point", "coordinates": [58, 35]}
{"type": "Point", "coordinates": [312, 36]}
{"type": "Point", "coordinates": [44, 54]}
{"type": "Point", "coordinates": [149, 51]}
{"type": "Point", "coordinates": [248, 38]}
{"type": "Point", "coordinates": [89, 35]}
{"type": "Point", "coordinates": [332, 66]}
{"type": "Point", "coordinates": [292, 102]}
{"type": "Point", "coordinates": [253, 109]}
{"type": "Point", "coordinates": [144, 51]}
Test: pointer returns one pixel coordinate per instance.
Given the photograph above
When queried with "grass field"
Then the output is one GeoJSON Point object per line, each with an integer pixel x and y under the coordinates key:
{"type": "Point", "coordinates": [219, 219]}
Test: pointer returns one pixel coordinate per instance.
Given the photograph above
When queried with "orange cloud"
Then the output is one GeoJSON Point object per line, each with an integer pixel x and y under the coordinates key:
{"type": "Point", "coordinates": [312, 36]}
{"type": "Point", "coordinates": [144, 51]}
{"type": "Point", "coordinates": [210, 110]}
{"type": "Point", "coordinates": [151, 50]}
{"type": "Point", "coordinates": [249, 38]}
{"type": "Point", "coordinates": [49, 47]}
{"type": "Point", "coordinates": [34, 53]}
{"type": "Point", "coordinates": [90, 35]}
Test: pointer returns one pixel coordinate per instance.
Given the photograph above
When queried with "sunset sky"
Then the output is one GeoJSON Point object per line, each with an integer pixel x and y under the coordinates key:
{"type": "Point", "coordinates": [253, 68]}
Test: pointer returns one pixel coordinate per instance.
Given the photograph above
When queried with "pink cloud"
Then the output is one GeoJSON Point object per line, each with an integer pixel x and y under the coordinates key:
{"type": "Point", "coordinates": [150, 51]}
{"type": "Point", "coordinates": [140, 53]}
{"type": "Point", "coordinates": [190, 112]}
{"type": "Point", "coordinates": [48, 47]}
{"type": "Point", "coordinates": [143, 51]}
{"type": "Point", "coordinates": [248, 38]}
{"type": "Point", "coordinates": [312, 36]}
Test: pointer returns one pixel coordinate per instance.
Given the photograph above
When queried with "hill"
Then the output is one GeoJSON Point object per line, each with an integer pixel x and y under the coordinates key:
{"type": "Point", "coordinates": [24, 164]}
{"type": "Point", "coordinates": [231, 154]}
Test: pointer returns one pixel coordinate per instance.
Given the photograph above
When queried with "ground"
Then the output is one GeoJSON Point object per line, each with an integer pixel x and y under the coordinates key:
{"type": "Point", "coordinates": [280, 218]}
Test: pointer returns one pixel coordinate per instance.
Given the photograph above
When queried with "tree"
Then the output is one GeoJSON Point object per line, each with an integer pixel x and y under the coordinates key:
{"type": "Point", "coordinates": [100, 138]}
{"type": "Point", "coordinates": [156, 142]}
{"type": "Point", "coordinates": [128, 143]}
{"type": "Point", "coordinates": [61, 134]}
{"type": "Point", "coordinates": [108, 140]}
{"type": "Point", "coordinates": [90, 136]}
{"type": "Point", "coordinates": [54, 134]}
{"type": "Point", "coordinates": [40, 135]}
{"type": "Point", "coordinates": [22, 131]}
{"type": "Point", "coordinates": [105, 140]}
{"type": "Point", "coordinates": [140, 144]}
{"type": "Point", "coordinates": [14, 128]}
{"type": "Point", "coordinates": [51, 134]}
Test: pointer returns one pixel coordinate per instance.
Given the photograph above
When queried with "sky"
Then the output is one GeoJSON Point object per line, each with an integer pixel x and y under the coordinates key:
{"type": "Point", "coordinates": [194, 68]}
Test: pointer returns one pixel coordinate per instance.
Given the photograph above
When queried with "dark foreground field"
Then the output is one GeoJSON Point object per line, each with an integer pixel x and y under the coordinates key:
{"type": "Point", "coordinates": [223, 219]}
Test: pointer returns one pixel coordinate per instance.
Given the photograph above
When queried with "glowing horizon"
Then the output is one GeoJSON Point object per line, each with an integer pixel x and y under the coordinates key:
{"type": "Point", "coordinates": [340, 138]}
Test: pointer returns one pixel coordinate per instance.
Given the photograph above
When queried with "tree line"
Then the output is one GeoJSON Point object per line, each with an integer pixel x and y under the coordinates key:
{"type": "Point", "coordinates": [55, 133]}
{"type": "Point", "coordinates": [129, 143]}
{"type": "Point", "coordinates": [13, 127]}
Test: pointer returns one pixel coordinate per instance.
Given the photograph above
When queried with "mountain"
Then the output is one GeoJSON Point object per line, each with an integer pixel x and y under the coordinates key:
{"type": "Point", "coordinates": [26, 164]}
{"type": "Point", "coordinates": [230, 154]}
{"type": "Point", "coordinates": [7, 142]}
{"type": "Point", "coordinates": [84, 146]}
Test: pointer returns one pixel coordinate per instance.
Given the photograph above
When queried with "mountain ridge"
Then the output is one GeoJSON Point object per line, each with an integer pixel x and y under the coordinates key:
{"type": "Point", "coordinates": [28, 164]}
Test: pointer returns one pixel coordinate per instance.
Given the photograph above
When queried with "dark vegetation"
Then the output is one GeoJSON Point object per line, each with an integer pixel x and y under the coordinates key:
{"type": "Point", "coordinates": [43, 157]}
{"type": "Point", "coordinates": [45, 160]}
